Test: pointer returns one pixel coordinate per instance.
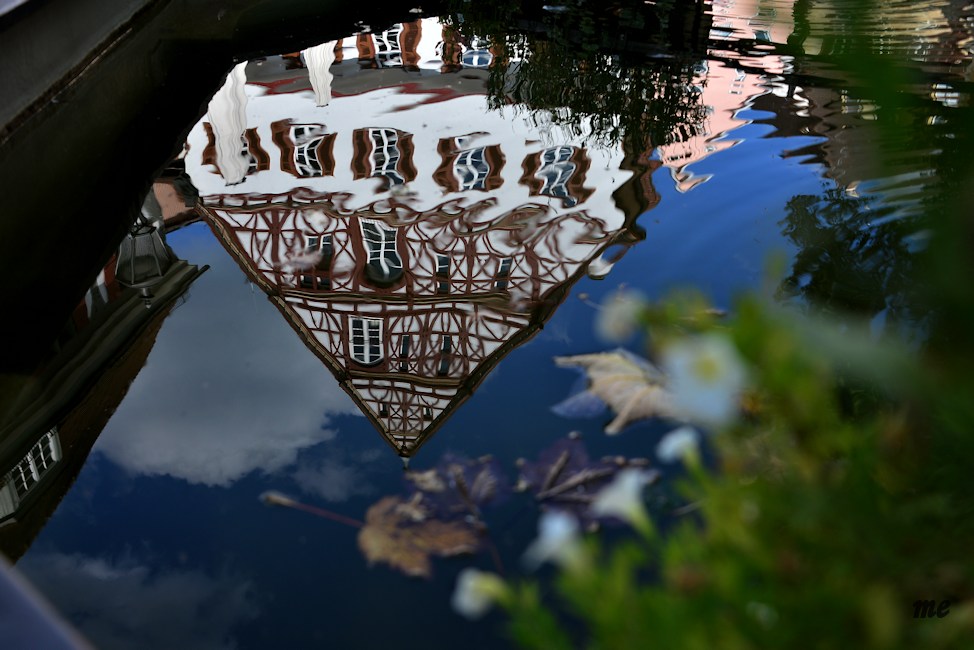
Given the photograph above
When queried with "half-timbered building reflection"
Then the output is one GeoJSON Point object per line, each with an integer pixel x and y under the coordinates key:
{"type": "Point", "coordinates": [430, 236]}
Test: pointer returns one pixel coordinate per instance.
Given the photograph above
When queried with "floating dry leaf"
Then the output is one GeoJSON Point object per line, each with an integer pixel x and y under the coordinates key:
{"type": "Point", "coordinates": [630, 385]}
{"type": "Point", "coordinates": [394, 534]}
{"type": "Point", "coordinates": [564, 477]}
{"type": "Point", "coordinates": [428, 481]}
{"type": "Point", "coordinates": [460, 487]}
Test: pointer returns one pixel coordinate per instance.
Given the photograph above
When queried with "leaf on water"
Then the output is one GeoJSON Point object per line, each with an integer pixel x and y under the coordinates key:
{"type": "Point", "coordinates": [400, 534]}
{"type": "Point", "coordinates": [414, 509]}
{"type": "Point", "coordinates": [459, 487]}
{"type": "Point", "coordinates": [630, 385]}
{"type": "Point", "coordinates": [485, 487]}
{"type": "Point", "coordinates": [583, 403]}
{"type": "Point", "coordinates": [429, 481]}
{"type": "Point", "coordinates": [565, 477]}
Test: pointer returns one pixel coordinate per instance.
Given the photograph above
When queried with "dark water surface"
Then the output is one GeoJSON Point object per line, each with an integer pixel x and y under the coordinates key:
{"type": "Point", "coordinates": [393, 261]}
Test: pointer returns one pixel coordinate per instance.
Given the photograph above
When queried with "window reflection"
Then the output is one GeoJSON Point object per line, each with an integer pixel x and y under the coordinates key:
{"type": "Point", "coordinates": [413, 288]}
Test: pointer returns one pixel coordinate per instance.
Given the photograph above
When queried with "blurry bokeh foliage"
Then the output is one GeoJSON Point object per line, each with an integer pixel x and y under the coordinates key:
{"type": "Point", "coordinates": [842, 495]}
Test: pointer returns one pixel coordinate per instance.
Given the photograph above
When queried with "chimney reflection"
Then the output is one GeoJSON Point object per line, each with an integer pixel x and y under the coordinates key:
{"type": "Point", "coordinates": [411, 237]}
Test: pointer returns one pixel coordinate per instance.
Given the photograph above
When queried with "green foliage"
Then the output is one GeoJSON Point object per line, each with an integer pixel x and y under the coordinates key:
{"type": "Point", "coordinates": [841, 496]}
{"type": "Point", "coordinates": [821, 526]}
{"type": "Point", "coordinates": [535, 626]}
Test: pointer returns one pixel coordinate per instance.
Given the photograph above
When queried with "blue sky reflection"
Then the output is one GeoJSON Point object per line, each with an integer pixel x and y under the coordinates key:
{"type": "Point", "coordinates": [224, 393]}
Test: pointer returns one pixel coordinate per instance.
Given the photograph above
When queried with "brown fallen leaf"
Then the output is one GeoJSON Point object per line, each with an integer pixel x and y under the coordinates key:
{"type": "Point", "coordinates": [631, 386]}
{"type": "Point", "coordinates": [393, 535]}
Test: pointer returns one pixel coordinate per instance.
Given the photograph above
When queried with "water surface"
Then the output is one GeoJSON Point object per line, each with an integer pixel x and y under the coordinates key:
{"type": "Point", "coordinates": [394, 257]}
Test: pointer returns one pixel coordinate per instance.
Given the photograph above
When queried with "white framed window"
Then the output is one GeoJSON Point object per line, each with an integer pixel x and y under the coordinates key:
{"type": "Point", "coordinates": [384, 263]}
{"type": "Point", "coordinates": [306, 161]}
{"type": "Point", "coordinates": [555, 172]}
{"type": "Point", "coordinates": [553, 155]}
{"type": "Point", "coordinates": [388, 49]}
{"type": "Point", "coordinates": [442, 274]}
{"type": "Point", "coordinates": [379, 240]}
{"type": "Point", "coordinates": [320, 278]}
{"type": "Point", "coordinates": [404, 352]}
{"type": "Point", "coordinates": [307, 138]}
{"type": "Point", "coordinates": [442, 266]}
{"type": "Point", "coordinates": [366, 340]}
{"type": "Point", "coordinates": [317, 243]}
{"type": "Point", "coordinates": [471, 169]}
{"type": "Point", "coordinates": [245, 153]}
{"type": "Point", "coordinates": [385, 155]}
{"type": "Point", "coordinates": [29, 471]}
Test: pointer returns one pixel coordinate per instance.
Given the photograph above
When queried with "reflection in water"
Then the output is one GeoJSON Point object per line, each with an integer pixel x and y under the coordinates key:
{"type": "Point", "coordinates": [50, 426]}
{"type": "Point", "coordinates": [883, 140]}
{"type": "Point", "coordinates": [410, 252]}
{"type": "Point", "coordinates": [181, 608]}
{"type": "Point", "coordinates": [412, 237]}
{"type": "Point", "coordinates": [243, 397]}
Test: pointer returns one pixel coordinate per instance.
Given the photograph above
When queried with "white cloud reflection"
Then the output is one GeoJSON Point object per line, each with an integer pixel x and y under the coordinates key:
{"type": "Point", "coordinates": [123, 604]}
{"type": "Point", "coordinates": [229, 387]}
{"type": "Point", "coordinates": [336, 478]}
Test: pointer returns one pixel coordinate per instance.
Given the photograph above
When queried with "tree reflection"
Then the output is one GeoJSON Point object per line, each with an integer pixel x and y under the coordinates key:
{"type": "Point", "coordinates": [849, 260]}
{"type": "Point", "coordinates": [621, 74]}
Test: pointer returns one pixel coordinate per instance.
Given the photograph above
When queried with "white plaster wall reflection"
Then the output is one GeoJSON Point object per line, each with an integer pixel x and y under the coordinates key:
{"type": "Point", "coordinates": [319, 59]}
{"type": "Point", "coordinates": [428, 118]}
{"type": "Point", "coordinates": [227, 114]}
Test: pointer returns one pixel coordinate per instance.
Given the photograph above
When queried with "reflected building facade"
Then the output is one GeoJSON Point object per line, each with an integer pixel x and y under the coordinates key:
{"type": "Point", "coordinates": [729, 83]}
{"type": "Point", "coordinates": [50, 422]}
{"type": "Point", "coordinates": [751, 64]}
{"type": "Point", "coordinates": [410, 236]}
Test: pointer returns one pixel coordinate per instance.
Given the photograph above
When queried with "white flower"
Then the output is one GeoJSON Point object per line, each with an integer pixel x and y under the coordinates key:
{"type": "Point", "coordinates": [476, 592]}
{"type": "Point", "coordinates": [762, 613]}
{"type": "Point", "coordinates": [623, 497]}
{"type": "Point", "coordinates": [558, 541]}
{"type": "Point", "coordinates": [705, 377]}
{"type": "Point", "coordinates": [678, 444]}
{"type": "Point", "coordinates": [618, 318]}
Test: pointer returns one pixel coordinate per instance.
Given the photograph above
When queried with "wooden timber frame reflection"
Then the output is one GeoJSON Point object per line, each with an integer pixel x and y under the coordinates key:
{"type": "Point", "coordinates": [411, 352]}
{"type": "Point", "coordinates": [411, 260]}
